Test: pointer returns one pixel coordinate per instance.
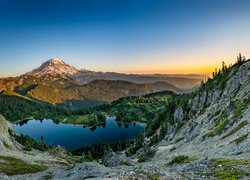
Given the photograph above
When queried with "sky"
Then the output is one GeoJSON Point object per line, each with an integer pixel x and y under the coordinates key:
{"type": "Point", "coordinates": [131, 36]}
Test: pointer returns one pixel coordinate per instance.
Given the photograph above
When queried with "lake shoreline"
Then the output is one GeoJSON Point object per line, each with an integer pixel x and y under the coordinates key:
{"type": "Point", "coordinates": [72, 136]}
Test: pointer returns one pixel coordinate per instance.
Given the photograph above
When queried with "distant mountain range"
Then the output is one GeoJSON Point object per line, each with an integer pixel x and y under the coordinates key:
{"type": "Point", "coordinates": [58, 67]}
{"type": "Point", "coordinates": [57, 82]}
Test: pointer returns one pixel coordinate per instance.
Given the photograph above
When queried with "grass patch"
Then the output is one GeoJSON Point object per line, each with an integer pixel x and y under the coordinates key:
{"type": "Point", "coordinates": [221, 126]}
{"type": "Point", "coordinates": [239, 108]}
{"type": "Point", "coordinates": [172, 149]}
{"type": "Point", "coordinates": [232, 174]}
{"type": "Point", "coordinates": [228, 162]}
{"type": "Point", "coordinates": [181, 160]}
{"type": "Point", "coordinates": [87, 119]}
{"type": "Point", "coordinates": [241, 139]}
{"type": "Point", "coordinates": [141, 158]}
{"type": "Point", "coordinates": [140, 171]}
{"type": "Point", "coordinates": [48, 176]}
{"type": "Point", "coordinates": [14, 166]}
{"type": "Point", "coordinates": [127, 164]}
{"type": "Point", "coordinates": [150, 176]}
{"type": "Point", "coordinates": [241, 125]}
{"type": "Point", "coordinates": [154, 177]}
{"type": "Point", "coordinates": [6, 145]}
{"type": "Point", "coordinates": [228, 169]}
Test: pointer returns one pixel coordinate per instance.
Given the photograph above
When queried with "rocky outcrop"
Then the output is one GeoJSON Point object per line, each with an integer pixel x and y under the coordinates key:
{"type": "Point", "coordinates": [4, 126]}
{"type": "Point", "coordinates": [115, 159]}
{"type": "Point", "coordinates": [216, 130]}
{"type": "Point", "coordinates": [178, 115]}
{"type": "Point", "coordinates": [5, 140]}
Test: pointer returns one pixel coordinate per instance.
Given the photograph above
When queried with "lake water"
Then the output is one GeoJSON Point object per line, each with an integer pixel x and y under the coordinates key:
{"type": "Point", "coordinates": [77, 136]}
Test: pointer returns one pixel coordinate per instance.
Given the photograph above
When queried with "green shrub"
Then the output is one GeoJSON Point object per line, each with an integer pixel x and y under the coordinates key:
{"type": "Point", "coordinates": [172, 149]}
{"type": "Point", "coordinates": [141, 158]}
{"type": "Point", "coordinates": [239, 108]}
{"type": "Point", "coordinates": [154, 177]}
{"type": "Point", "coordinates": [230, 174]}
{"type": "Point", "coordinates": [29, 143]}
{"type": "Point", "coordinates": [226, 169]}
{"type": "Point", "coordinates": [14, 166]}
{"type": "Point", "coordinates": [6, 145]}
{"type": "Point", "coordinates": [221, 126]}
{"type": "Point", "coordinates": [181, 160]}
{"type": "Point", "coordinates": [228, 162]}
{"type": "Point", "coordinates": [241, 125]}
{"type": "Point", "coordinates": [154, 140]}
{"type": "Point", "coordinates": [89, 156]}
{"type": "Point", "coordinates": [48, 176]}
{"type": "Point", "coordinates": [146, 156]}
{"type": "Point", "coordinates": [241, 139]}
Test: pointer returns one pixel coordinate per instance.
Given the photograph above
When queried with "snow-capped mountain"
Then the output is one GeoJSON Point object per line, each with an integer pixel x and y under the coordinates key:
{"type": "Point", "coordinates": [54, 66]}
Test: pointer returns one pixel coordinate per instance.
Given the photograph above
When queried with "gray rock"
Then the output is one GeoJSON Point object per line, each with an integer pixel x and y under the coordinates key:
{"type": "Point", "coordinates": [115, 159]}
{"type": "Point", "coordinates": [178, 114]}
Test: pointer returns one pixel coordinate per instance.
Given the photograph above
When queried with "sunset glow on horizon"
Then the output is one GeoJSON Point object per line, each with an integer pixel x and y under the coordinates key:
{"type": "Point", "coordinates": [133, 36]}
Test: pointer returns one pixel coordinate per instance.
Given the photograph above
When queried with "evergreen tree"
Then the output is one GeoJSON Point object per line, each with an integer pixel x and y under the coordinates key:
{"type": "Point", "coordinates": [89, 156]}
{"type": "Point", "coordinates": [239, 58]}
{"type": "Point", "coordinates": [224, 66]}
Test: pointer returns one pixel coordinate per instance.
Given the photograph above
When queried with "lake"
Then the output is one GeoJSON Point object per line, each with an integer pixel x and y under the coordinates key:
{"type": "Point", "coordinates": [76, 136]}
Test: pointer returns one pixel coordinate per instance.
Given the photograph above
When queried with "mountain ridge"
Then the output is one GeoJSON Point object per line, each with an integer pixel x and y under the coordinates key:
{"type": "Point", "coordinates": [57, 82]}
{"type": "Point", "coordinates": [62, 89]}
{"type": "Point", "coordinates": [55, 66]}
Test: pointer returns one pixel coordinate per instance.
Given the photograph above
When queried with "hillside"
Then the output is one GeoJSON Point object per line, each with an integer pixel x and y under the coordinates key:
{"type": "Point", "coordinates": [200, 135]}
{"type": "Point", "coordinates": [61, 90]}
{"type": "Point", "coordinates": [128, 109]}
{"type": "Point", "coordinates": [15, 108]}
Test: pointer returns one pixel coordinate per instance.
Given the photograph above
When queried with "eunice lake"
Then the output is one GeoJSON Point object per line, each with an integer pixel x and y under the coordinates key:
{"type": "Point", "coordinates": [77, 136]}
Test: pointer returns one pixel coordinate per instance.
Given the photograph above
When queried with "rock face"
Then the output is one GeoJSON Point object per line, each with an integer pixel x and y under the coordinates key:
{"type": "Point", "coordinates": [217, 122]}
{"type": "Point", "coordinates": [178, 115]}
{"type": "Point", "coordinates": [115, 159]}
{"type": "Point", "coordinates": [4, 126]}
{"type": "Point", "coordinates": [5, 141]}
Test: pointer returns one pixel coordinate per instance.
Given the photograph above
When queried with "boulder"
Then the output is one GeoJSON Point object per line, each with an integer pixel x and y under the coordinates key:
{"type": "Point", "coordinates": [115, 159]}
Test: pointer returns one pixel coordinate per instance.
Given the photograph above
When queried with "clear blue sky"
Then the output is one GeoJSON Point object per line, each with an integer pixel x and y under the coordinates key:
{"type": "Point", "coordinates": [140, 36]}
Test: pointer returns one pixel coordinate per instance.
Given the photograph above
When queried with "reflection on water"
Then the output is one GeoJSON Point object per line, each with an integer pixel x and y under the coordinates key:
{"type": "Point", "coordinates": [76, 136]}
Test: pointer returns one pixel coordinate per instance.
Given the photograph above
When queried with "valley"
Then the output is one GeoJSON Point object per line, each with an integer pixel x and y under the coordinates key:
{"type": "Point", "coordinates": [58, 83]}
{"type": "Point", "coordinates": [203, 134]}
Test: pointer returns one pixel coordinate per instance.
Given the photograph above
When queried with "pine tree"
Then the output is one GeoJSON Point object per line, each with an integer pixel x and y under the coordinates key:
{"type": "Point", "coordinates": [224, 66]}
{"type": "Point", "coordinates": [89, 156]}
{"type": "Point", "coordinates": [239, 58]}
